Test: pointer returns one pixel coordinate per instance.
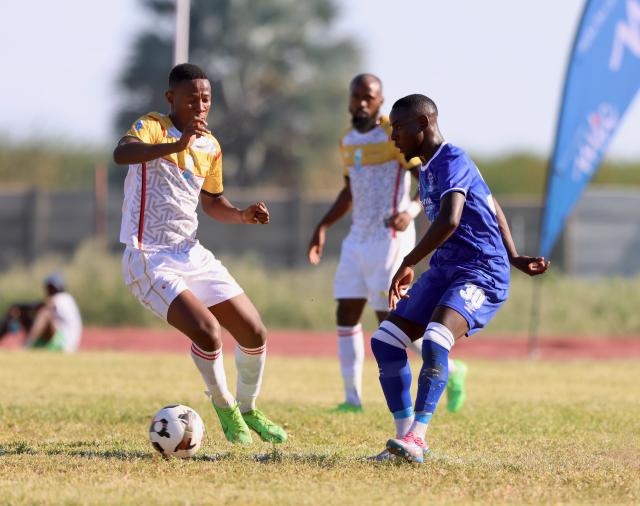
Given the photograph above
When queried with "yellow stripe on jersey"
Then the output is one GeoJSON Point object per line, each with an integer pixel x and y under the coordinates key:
{"type": "Point", "coordinates": [213, 181]}
{"type": "Point", "coordinates": [376, 153]}
{"type": "Point", "coordinates": [156, 128]}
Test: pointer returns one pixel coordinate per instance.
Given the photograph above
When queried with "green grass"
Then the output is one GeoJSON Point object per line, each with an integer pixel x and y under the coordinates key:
{"type": "Point", "coordinates": [74, 431]}
{"type": "Point", "coordinates": [303, 298]}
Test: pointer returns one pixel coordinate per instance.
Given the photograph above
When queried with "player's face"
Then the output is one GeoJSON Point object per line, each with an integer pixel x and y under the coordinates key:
{"type": "Point", "coordinates": [364, 106]}
{"type": "Point", "coordinates": [189, 100]}
{"type": "Point", "coordinates": [406, 132]}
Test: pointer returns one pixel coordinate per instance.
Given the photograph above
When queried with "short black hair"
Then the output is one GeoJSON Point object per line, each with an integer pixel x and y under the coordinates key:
{"type": "Point", "coordinates": [360, 78]}
{"type": "Point", "coordinates": [185, 72]}
{"type": "Point", "coordinates": [418, 103]}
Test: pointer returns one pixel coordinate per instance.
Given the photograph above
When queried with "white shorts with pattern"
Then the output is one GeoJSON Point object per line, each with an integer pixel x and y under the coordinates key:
{"type": "Point", "coordinates": [157, 278]}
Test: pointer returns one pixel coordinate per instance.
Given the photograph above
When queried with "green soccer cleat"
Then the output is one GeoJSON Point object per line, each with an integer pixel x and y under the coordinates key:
{"type": "Point", "coordinates": [265, 428]}
{"type": "Point", "coordinates": [233, 425]}
{"type": "Point", "coordinates": [456, 393]}
{"type": "Point", "coordinates": [347, 407]}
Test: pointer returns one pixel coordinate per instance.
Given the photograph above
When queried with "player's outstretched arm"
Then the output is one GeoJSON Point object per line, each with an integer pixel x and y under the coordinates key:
{"type": "Point", "coordinates": [532, 266]}
{"type": "Point", "coordinates": [340, 207]}
{"type": "Point", "coordinates": [220, 209]}
{"type": "Point", "coordinates": [132, 150]}
{"type": "Point", "coordinates": [441, 229]}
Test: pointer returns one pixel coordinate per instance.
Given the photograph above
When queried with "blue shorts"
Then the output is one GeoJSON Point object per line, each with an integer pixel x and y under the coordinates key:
{"type": "Point", "coordinates": [470, 292]}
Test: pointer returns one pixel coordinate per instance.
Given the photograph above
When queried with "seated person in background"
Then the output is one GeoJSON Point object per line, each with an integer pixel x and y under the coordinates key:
{"type": "Point", "coordinates": [54, 324]}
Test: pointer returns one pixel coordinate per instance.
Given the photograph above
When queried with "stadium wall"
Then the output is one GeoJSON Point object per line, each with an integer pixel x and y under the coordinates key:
{"type": "Point", "coordinates": [602, 237]}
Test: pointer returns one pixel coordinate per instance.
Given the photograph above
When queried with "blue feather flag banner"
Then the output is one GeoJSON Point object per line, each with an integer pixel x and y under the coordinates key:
{"type": "Point", "coordinates": [603, 77]}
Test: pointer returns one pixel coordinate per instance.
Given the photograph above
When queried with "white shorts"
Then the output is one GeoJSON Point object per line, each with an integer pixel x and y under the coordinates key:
{"type": "Point", "coordinates": [157, 278]}
{"type": "Point", "coordinates": [365, 269]}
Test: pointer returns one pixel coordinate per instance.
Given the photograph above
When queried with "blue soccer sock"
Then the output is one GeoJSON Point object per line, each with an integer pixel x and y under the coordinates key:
{"type": "Point", "coordinates": [432, 381]}
{"type": "Point", "coordinates": [389, 344]}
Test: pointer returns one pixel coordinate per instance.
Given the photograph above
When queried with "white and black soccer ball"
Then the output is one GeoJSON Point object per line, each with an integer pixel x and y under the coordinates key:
{"type": "Point", "coordinates": [176, 431]}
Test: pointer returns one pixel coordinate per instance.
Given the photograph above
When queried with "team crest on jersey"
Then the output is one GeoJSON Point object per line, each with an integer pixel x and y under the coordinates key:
{"type": "Point", "coordinates": [357, 159]}
{"type": "Point", "coordinates": [431, 181]}
{"type": "Point", "coordinates": [139, 125]}
{"type": "Point", "coordinates": [473, 297]}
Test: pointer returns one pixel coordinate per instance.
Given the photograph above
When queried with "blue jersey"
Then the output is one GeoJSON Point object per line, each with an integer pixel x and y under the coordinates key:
{"type": "Point", "coordinates": [477, 242]}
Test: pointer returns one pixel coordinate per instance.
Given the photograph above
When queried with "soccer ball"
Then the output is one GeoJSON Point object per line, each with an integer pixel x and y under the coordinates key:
{"type": "Point", "coordinates": [176, 431]}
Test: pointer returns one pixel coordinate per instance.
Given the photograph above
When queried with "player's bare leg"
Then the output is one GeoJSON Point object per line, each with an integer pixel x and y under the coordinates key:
{"type": "Point", "coordinates": [350, 352]}
{"type": "Point", "coordinates": [41, 331]}
{"type": "Point", "coordinates": [240, 317]}
{"type": "Point", "coordinates": [187, 314]}
{"type": "Point", "coordinates": [445, 327]}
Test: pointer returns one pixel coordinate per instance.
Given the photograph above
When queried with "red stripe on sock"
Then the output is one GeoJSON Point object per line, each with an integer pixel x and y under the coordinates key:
{"type": "Point", "coordinates": [253, 351]}
{"type": "Point", "coordinates": [350, 332]}
{"type": "Point", "coordinates": [204, 354]}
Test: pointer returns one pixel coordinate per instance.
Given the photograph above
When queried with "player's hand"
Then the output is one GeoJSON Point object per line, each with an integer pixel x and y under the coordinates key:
{"type": "Point", "coordinates": [197, 127]}
{"type": "Point", "coordinates": [399, 221]}
{"type": "Point", "coordinates": [256, 213]}
{"type": "Point", "coordinates": [533, 266]}
{"type": "Point", "coordinates": [316, 246]}
{"type": "Point", "coordinates": [400, 284]}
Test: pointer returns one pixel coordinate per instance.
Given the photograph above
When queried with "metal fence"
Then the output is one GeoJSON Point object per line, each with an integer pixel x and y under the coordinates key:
{"type": "Point", "coordinates": [602, 237]}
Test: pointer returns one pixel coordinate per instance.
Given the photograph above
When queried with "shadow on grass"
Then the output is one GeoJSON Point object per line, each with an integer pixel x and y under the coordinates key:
{"type": "Point", "coordinates": [23, 448]}
{"type": "Point", "coordinates": [275, 456]}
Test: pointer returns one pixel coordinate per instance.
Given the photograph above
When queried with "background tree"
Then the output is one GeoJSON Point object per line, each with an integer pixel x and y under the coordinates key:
{"type": "Point", "coordinates": [279, 77]}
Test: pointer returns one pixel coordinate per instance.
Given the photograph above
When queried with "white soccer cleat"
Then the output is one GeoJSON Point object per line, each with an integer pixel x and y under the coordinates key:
{"type": "Point", "coordinates": [411, 448]}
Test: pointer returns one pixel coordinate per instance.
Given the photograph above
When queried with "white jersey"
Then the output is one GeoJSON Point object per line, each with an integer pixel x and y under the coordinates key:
{"type": "Point", "coordinates": [67, 320]}
{"type": "Point", "coordinates": [380, 183]}
{"type": "Point", "coordinates": [161, 196]}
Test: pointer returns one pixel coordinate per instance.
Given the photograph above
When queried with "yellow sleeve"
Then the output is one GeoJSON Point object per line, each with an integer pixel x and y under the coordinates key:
{"type": "Point", "coordinates": [344, 156]}
{"type": "Point", "coordinates": [148, 129]}
{"type": "Point", "coordinates": [414, 162]}
{"type": "Point", "coordinates": [213, 180]}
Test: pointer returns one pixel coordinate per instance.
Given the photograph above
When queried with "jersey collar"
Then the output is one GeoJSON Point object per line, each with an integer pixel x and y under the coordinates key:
{"type": "Point", "coordinates": [426, 165]}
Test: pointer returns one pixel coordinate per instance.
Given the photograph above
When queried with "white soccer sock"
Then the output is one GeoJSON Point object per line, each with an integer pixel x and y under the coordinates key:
{"type": "Point", "coordinates": [250, 364]}
{"type": "Point", "coordinates": [451, 366]}
{"type": "Point", "coordinates": [416, 347]}
{"type": "Point", "coordinates": [403, 425]}
{"type": "Point", "coordinates": [419, 429]}
{"type": "Point", "coordinates": [211, 367]}
{"type": "Point", "coordinates": [351, 354]}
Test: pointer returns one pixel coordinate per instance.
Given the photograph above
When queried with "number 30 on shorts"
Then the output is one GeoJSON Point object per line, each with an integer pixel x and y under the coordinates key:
{"type": "Point", "coordinates": [473, 296]}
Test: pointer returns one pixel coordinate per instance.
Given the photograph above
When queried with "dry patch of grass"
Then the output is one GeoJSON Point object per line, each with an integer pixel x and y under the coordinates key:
{"type": "Point", "coordinates": [73, 430]}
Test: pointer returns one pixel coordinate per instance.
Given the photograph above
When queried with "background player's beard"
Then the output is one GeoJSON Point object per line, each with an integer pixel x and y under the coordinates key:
{"type": "Point", "coordinates": [363, 123]}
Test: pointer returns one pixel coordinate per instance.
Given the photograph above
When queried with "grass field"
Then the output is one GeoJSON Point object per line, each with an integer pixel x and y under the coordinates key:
{"type": "Point", "coordinates": [73, 430]}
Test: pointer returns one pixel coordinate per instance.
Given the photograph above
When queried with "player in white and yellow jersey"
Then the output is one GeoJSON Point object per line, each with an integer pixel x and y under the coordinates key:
{"type": "Point", "coordinates": [174, 163]}
{"type": "Point", "coordinates": [377, 187]}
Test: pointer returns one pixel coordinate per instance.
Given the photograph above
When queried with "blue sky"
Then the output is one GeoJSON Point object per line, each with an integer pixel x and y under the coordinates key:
{"type": "Point", "coordinates": [494, 67]}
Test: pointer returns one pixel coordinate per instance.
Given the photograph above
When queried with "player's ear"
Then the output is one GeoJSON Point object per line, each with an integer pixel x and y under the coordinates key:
{"type": "Point", "coordinates": [423, 121]}
{"type": "Point", "coordinates": [169, 95]}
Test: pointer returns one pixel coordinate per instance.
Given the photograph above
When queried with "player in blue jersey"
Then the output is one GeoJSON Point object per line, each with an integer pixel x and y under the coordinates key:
{"type": "Point", "coordinates": [467, 280]}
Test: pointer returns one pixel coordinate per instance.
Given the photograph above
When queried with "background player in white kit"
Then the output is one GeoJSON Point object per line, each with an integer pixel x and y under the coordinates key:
{"type": "Point", "coordinates": [174, 163]}
{"type": "Point", "coordinates": [377, 186]}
